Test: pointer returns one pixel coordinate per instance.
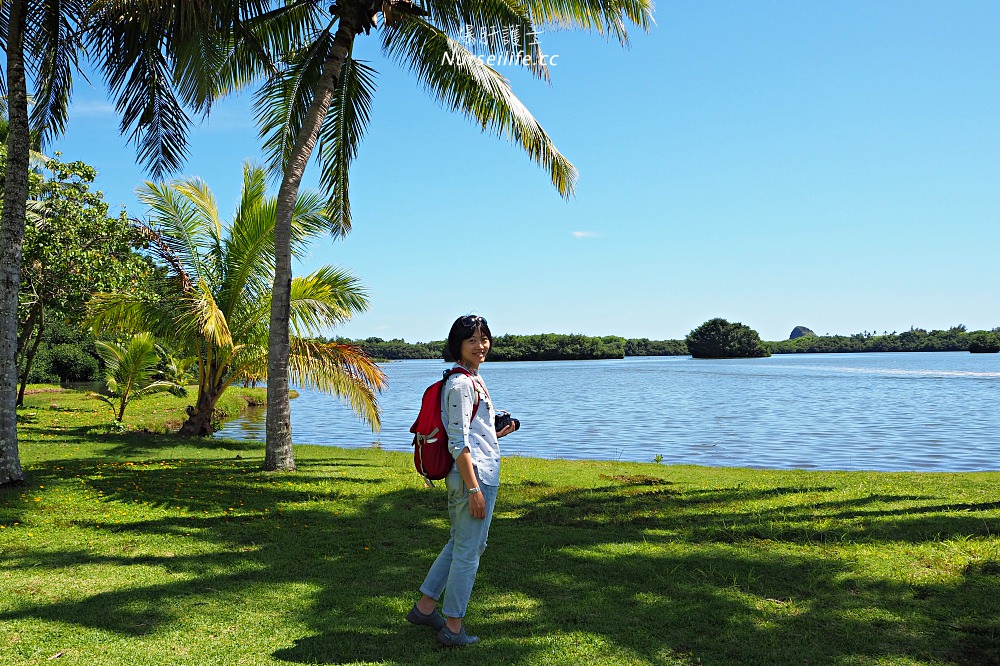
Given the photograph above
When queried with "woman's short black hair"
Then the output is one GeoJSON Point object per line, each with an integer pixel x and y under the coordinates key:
{"type": "Point", "coordinates": [463, 329]}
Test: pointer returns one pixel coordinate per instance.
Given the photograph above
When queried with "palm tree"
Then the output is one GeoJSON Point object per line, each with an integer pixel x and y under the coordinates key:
{"type": "Point", "coordinates": [316, 98]}
{"type": "Point", "coordinates": [40, 39]}
{"type": "Point", "coordinates": [130, 369]}
{"type": "Point", "coordinates": [215, 298]}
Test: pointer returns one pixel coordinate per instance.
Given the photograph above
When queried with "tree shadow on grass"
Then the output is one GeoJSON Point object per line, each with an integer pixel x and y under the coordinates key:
{"type": "Point", "coordinates": [144, 443]}
{"type": "Point", "coordinates": [140, 443]}
{"type": "Point", "coordinates": [627, 572]}
{"type": "Point", "coordinates": [582, 564]}
{"type": "Point", "coordinates": [721, 597]}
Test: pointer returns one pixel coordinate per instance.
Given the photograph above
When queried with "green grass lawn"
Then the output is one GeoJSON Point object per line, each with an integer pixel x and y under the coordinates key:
{"type": "Point", "coordinates": [140, 548]}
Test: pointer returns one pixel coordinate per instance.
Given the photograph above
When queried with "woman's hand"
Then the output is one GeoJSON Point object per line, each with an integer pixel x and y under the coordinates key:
{"type": "Point", "coordinates": [507, 429]}
{"type": "Point", "coordinates": [477, 505]}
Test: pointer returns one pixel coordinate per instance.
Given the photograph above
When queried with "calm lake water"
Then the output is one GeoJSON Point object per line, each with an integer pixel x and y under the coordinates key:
{"type": "Point", "coordinates": [904, 411]}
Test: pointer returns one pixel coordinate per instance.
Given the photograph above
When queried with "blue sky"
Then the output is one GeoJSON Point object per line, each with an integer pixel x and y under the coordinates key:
{"type": "Point", "coordinates": [827, 164]}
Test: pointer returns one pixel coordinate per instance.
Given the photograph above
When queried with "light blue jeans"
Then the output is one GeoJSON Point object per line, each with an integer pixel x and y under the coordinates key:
{"type": "Point", "coordinates": [454, 570]}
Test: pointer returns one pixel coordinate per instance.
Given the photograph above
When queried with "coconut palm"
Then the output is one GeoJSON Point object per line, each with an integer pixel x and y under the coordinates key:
{"type": "Point", "coordinates": [130, 369]}
{"type": "Point", "coordinates": [41, 43]}
{"type": "Point", "coordinates": [214, 301]}
{"type": "Point", "coordinates": [316, 98]}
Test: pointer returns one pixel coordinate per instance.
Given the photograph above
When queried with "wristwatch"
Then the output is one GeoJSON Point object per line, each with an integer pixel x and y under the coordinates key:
{"type": "Point", "coordinates": [473, 490]}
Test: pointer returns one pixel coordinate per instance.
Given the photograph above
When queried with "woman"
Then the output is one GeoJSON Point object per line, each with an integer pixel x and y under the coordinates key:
{"type": "Point", "coordinates": [473, 482]}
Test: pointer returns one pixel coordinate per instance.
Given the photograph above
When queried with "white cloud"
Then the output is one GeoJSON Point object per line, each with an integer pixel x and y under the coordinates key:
{"type": "Point", "coordinates": [91, 107]}
{"type": "Point", "coordinates": [585, 234]}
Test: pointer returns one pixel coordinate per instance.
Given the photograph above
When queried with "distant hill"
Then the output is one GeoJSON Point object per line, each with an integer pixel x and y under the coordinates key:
{"type": "Point", "coordinates": [801, 332]}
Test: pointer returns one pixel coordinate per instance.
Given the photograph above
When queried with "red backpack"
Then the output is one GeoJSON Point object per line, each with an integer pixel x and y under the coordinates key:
{"type": "Point", "coordinates": [431, 456]}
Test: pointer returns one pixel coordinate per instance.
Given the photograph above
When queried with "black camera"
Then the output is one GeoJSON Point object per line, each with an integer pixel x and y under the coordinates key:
{"type": "Point", "coordinates": [504, 419]}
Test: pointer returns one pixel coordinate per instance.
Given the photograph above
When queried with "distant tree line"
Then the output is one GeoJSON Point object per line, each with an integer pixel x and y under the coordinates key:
{"type": "Point", "coordinates": [396, 349]}
{"type": "Point", "coordinates": [955, 338]}
{"type": "Point", "coordinates": [561, 347]}
{"type": "Point", "coordinates": [555, 347]}
{"type": "Point", "coordinates": [647, 347]}
{"type": "Point", "coordinates": [540, 347]}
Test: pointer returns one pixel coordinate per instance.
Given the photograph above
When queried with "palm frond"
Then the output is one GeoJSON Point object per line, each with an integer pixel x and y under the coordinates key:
{"type": "Point", "coordinates": [340, 136]}
{"type": "Point", "coordinates": [281, 105]}
{"type": "Point", "coordinates": [4, 28]}
{"type": "Point", "coordinates": [257, 38]}
{"type": "Point", "coordinates": [342, 370]}
{"type": "Point", "coordinates": [254, 188]}
{"type": "Point", "coordinates": [206, 215]}
{"type": "Point", "coordinates": [55, 42]}
{"type": "Point", "coordinates": [130, 370]}
{"type": "Point", "coordinates": [130, 313]}
{"type": "Point", "coordinates": [159, 57]}
{"type": "Point", "coordinates": [181, 230]}
{"type": "Point", "coordinates": [323, 299]}
{"type": "Point", "coordinates": [249, 362]}
{"type": "Point", "coordinates": [196, 191]}
{"type": "Point", "coordinates": [499, 26]}
{"type": "Point", "coordinates": [196, 62]}
{"type": "Point", "coordinates": [605, 17]}
{"type": "Point", "coordinates": [248, 251]}
{"type": "Point", "coordinates": [200, 49]}
{"type": "Point", "coordinates": [152, 116]}
{"type": "Point", "coordinates": [111, 355]}
{"type": "Point", "coordinates": [118, 312]}
{"type": "Point", "coordinates": [160, 386]}
{"type": "Point", "coordinates": [203, 317]}
{"type": "Point", "coordinates": [310, 217]}
{"type": "Point", "coordinates": [462, 82]}
{"type": "Point", "coordinates": [250, 246]}
{"type": "Point", "coordinates": [133, 42]}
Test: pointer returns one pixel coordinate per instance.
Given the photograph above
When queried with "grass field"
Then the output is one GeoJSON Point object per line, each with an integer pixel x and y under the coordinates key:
{"type": "Point", "coordinates": [140, 548]}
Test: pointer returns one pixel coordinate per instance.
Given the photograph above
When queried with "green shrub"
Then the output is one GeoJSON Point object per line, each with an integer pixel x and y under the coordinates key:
{"type": "Point", "coordinates": [65, 354]}
{"type": "Point", "coordinates": [717, 338]}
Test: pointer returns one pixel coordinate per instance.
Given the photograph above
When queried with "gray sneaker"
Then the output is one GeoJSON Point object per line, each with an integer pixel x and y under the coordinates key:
{"type": "Point", "coordinates": [432, 619]}
{"type": "Point", "coordinates": [451, 639]}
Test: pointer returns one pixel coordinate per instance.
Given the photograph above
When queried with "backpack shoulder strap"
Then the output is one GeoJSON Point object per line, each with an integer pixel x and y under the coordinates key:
{"type": "Point", "coordinates": [463, 371]}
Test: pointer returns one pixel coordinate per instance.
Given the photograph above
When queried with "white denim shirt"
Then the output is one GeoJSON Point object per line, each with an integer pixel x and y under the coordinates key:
{"type": "Point", "coordinates": [459, 396]}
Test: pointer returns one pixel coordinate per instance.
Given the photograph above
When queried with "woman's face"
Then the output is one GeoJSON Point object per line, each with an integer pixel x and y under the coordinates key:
{"type": "Point", "coordinates": [474, 349]}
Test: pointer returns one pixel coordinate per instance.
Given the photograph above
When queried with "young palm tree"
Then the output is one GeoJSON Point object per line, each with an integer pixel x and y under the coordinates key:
{"type": "Point", "coordinates": [130, 369]}
{"type": "Point", "coordinates": [316, 98]}
{"type": "Point", "coordinates": [215, 300]}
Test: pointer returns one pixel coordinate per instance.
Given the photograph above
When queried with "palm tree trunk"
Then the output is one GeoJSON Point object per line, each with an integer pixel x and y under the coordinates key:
{"type": "Point", "coordinates": [279, 454]}
{"type": "Point", "coordinates": [199, 421]}
{"type": "Point", "coordinates": [15, 197]}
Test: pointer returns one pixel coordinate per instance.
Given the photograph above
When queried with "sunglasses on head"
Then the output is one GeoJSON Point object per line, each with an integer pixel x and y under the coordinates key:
{"type": "Point", "coordinates": [472, 321]}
